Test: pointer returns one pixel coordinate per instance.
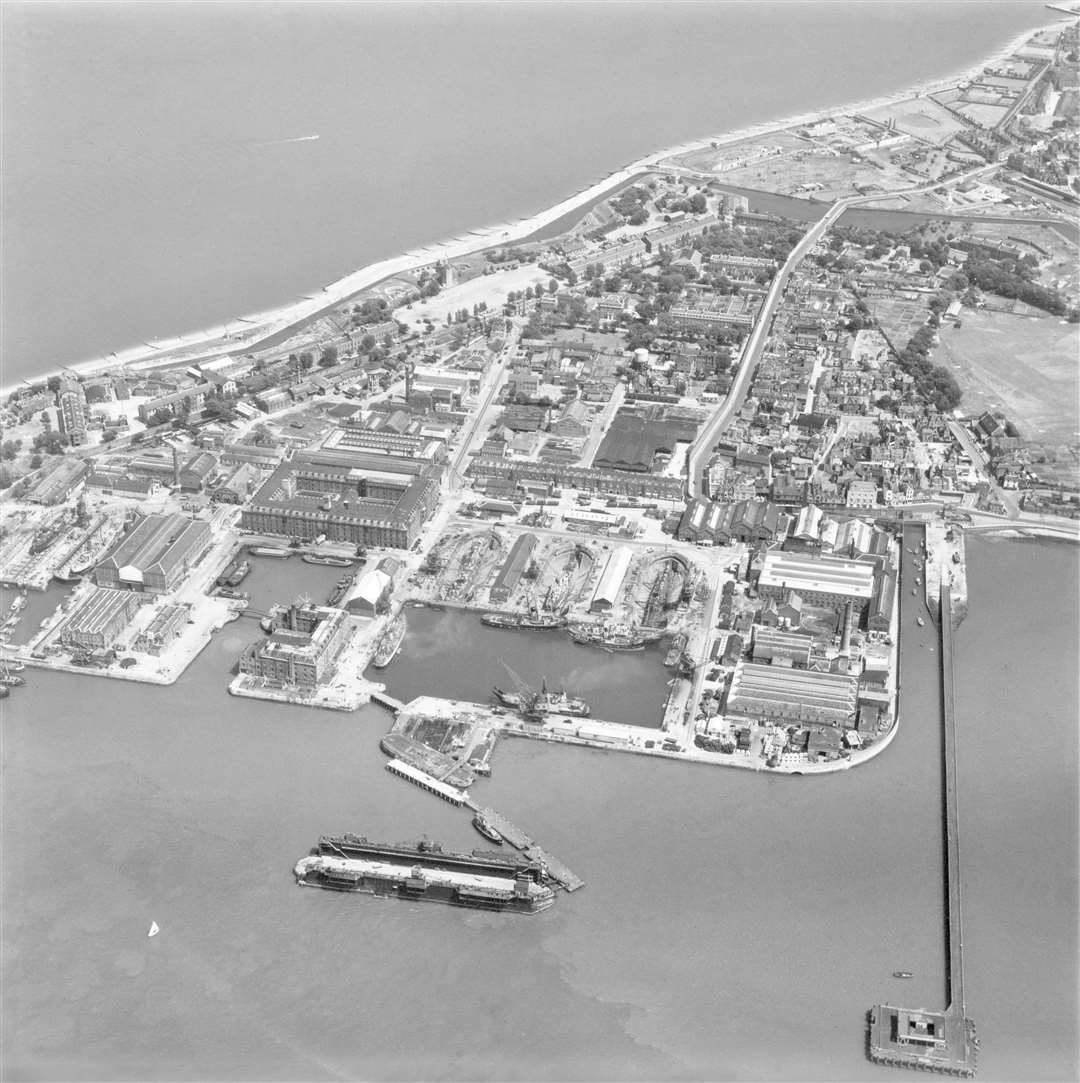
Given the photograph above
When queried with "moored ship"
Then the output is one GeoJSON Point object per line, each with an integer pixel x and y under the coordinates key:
{"type": "Point", "coordinates": [390, 643]}
{"type": "Point", "coordinates": [333, 561]}
{"type": "Point", "coordinates": [426, 872]}
{"type": "Point", "coordinates": [486, 828]}
{"type": "Point", "coordinates": [545, 702]}
{"type": "Point", "coordinates": [610, 636]}
{"type": "Point", "coordinates": [678, 645]}
{"type": "Point", "coordinates": [518, 620]}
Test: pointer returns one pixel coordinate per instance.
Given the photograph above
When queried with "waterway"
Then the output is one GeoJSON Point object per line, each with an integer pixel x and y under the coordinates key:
{"type": "Point", "coordinates": [183, 189]}
{"type": "Point", "coordinates": [733, 926]}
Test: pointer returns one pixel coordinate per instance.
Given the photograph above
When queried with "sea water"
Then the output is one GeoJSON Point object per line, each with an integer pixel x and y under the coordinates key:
{"type": "Point", "coordinates": [158, 178]}
{"type": "Point", "coordinates": [734, 925]}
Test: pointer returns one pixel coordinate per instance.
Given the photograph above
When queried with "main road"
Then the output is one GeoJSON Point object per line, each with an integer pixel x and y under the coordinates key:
{"type": "Point", "coordinates": [702, 447]}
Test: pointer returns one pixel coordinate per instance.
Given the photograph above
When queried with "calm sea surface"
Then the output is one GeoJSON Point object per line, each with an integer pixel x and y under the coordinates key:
{"type": "Point", "coordinates": [148, 188]}
{"type": "Point", "coordinates": [733, 926]}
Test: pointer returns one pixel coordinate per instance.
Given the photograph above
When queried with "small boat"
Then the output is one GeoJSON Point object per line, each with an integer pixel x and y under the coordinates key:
{"type": "Point", "coordinates": [16, 667]}
{"type": "Point", "coordinates": [11, 681]}
{"type": "Point", "coordinates": [153, 930]}
{"type": "Point", "coordinates": [920, 622]}
{"type": "Point", "coordinates": [481, 823]}
{"type": "Point", "coordinates": [4, 691]}
{"type": "Point", "coordinates": [913, 592]}
{"type": "Point", "coordinates": [902, 974]}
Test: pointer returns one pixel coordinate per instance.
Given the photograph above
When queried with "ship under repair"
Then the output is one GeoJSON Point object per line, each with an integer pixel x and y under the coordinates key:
{"type": "Point", "coordinates": [424, 871]}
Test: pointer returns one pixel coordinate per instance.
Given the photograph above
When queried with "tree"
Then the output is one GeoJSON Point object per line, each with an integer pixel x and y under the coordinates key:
{"type": "Point", "coordinates": [306, 361]}
{"type": "Point", "coordinates": [698, 203]}
{"type": "Point", "coordinates": [552, 286]}
{"type": "Point", "coordinates": [10, 449]}
{"type": "Point", "coordinates": [367, 343]}
{"type": "Point", "coordinates": [329, 357]}
{"type": "Point", "coordinates": [35, 460]}
{"type": "Point", "coordinates": [108, 436]}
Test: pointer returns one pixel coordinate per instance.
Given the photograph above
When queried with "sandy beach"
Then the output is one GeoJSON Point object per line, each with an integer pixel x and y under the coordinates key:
{"type": "Point", "coordinates": [246, 333]}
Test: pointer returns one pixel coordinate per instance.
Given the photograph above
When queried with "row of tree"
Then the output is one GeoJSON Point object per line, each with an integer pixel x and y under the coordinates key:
{"type": "Point", "coordinates": [934, 383]}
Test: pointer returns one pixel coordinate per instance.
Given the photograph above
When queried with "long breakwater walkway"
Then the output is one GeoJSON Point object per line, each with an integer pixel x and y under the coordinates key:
{"type": "Point", "coordinates": [938, 1041]}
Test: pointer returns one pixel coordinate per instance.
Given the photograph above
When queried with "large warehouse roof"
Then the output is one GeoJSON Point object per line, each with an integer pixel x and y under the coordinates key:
{"type": "Point", "coordinates": [804, 687]}
{"type": "Point", "coordinates": [825, 575]}
{"type": "Point", "coordinates": [607, 590]}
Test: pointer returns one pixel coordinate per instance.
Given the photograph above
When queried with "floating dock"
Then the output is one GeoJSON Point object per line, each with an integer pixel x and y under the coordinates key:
{"type": "Point", "coordinates": [936, 1041]}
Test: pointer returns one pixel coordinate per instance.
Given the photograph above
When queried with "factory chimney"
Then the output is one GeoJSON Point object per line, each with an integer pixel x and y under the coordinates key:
{"type": "Point", "coordinates": [408, 380]}
{"type": "Point", "coordinates": [176, 468]}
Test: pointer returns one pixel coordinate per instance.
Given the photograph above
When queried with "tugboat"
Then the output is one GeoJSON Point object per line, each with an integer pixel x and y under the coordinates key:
{"type": "Point", "coordinates": [902, 974]}
{"type": "Point", "coordinates": [920, 622]}
{"type": "Point", "coordinates": [483, 825]}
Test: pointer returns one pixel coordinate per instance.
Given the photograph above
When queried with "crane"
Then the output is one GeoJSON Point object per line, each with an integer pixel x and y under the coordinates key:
{"type": "Point", "coordinates": [527, 695]}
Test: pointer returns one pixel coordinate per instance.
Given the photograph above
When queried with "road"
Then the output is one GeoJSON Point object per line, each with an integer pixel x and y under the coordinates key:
{"type": "Point", "coordinates": [598, 429]}
{"type": "Point", "coordinates": [979, 458]}
{"type": "Point", "coordinates": [706, 440]}
{"type": "Point", "coordinates": [498, 371]}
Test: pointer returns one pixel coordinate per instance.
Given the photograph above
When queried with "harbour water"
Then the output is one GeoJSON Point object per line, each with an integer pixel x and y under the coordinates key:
{"type": "Point", "coordinates": [453, 655]}
{"type": "Point", "coordinates": [182, 189]}
{"type": "Point", "coordinates": [733, 926]}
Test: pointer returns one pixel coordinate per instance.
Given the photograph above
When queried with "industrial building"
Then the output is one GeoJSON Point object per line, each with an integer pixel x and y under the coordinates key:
{"type": "Point", "coordinates": [156, 554]}
{"type": "Point", "coordinates": [781, 648]}
{"type": "Point", "coordinates": [607, 589]}
{"type": "Point", "coordinates": [513, 568]}
{"type": "Point", "coordinates": [584, 478]}
{"type": "Point", "coordinates": [303, 652]}
{"type": "Point", "coordinates": [706, 522]}
{"type": "Point", "coordinates": [784, 694]}
{"type": "Point", "coordinates": [828, 582]}
{"type": "Point", "coordinates": [57, 484]}
{"type": "Point", "coordinates": [99, 621]}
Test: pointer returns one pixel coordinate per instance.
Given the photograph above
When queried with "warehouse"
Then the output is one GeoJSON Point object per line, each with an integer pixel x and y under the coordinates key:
{"type": "Point", "coordinates": [782, 694]}
{"type": "Point", "coordinates": [303, 655]}
{"type": "Point", "coordinates": [156, 555]}
{"type": "Point", "coordinates": [820, 581]}
{"type": "Point", "coordinates": [372, 594]}
{"type": "Point", "coordinates": [513, 568]}
{"type": "Point", "coordinates": [607, 589]}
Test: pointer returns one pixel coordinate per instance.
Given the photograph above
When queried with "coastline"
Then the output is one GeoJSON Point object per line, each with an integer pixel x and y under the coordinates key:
{"type": "Point", "coordinates": [245, 333]}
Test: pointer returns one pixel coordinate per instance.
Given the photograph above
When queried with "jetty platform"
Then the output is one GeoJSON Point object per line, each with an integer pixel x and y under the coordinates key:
{"type": "Point", "coordinates": [937, 1041]}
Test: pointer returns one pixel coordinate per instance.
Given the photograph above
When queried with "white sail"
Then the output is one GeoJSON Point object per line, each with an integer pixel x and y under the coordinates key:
{"type": "Point", "coordinates": [154, 930]}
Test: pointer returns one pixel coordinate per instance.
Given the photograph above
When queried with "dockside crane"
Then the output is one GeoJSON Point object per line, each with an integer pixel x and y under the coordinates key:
{"type": "Point", "coordinates": [528, 696]}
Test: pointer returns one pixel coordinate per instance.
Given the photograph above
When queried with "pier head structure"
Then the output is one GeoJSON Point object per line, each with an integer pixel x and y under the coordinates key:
{"type": "Point", "coordinates": [936, 1041]}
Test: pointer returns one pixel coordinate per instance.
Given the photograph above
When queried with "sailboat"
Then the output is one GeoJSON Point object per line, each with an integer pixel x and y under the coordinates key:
{"type": "Point", "coordinates": [154, 930]}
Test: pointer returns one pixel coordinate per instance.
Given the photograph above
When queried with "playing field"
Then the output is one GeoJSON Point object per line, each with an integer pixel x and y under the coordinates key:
{"type": "Point", "coordinates": [1026, 366]}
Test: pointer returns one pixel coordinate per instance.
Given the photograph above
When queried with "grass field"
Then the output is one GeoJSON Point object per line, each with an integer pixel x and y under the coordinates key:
{"type": "Point", "coordinates": [1025, 366]}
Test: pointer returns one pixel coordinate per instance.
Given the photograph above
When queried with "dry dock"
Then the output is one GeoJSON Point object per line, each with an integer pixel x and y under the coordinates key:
{"type": "Point", "coordinates": [937, 1041]}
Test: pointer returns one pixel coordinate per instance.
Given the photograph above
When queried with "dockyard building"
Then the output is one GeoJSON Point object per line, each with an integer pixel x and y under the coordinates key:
{"type": "Point", "coordinates": [372, 594]}
{"type": "Point", "coordinates": [166, 625]}
{"type": "Point", "coordinates": [585, 478]}
{"type": "Point", "coordinates": [57, 484]}
{"type": "Point", "coordinates": [99, 620]}
{"type": "Point", "coordinates": [784, 694]}
{"type": "Point", "coordinates": [607, 589]}
{"type": "Point", "coordinates": [358, 497]}
{"type": "Point", "coordinates": [513, 568]}
{"type": "Point", "coordinates": [304, 652]}
{"type": "Point", "coordinates": [819, 581]}
{"type": "Point", "coordinates": [879, 617]}
{"type": "Point", "coordinates": [156, 554]}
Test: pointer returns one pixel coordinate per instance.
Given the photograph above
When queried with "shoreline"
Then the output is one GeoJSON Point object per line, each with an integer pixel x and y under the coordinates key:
{"type": "Point", "coordinates": [229, 339]}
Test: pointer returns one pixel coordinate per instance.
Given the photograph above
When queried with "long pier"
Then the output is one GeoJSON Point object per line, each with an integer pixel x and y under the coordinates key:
{"type": "Point", "coordinates": [938, 1041]}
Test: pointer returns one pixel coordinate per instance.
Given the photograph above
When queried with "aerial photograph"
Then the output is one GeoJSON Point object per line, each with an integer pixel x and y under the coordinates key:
{"type": "Point", "coordinates": [609, 468]}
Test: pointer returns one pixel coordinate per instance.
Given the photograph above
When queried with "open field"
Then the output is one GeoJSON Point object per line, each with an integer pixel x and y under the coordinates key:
{"type": "Point", "coordinates": [1025, 366]}
{"type": "Point", "coordinates": [986, 115]}
{"type": "Point", "coordinates": [719, 159]}
{"type": "Point", "coordinates": [920, 117]}
{"type": "Point", "coordinates": [838, 175]}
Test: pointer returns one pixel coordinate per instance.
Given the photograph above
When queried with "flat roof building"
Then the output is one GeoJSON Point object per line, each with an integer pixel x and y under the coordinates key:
{"type": "Point", "coordinates": [302, 655]}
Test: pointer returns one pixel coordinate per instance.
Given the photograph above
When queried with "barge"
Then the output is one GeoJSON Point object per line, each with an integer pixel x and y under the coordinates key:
{"type": "Point", "coordinates": [425, 872]}
{"type": "Point", "coordinates": [390, 643]}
